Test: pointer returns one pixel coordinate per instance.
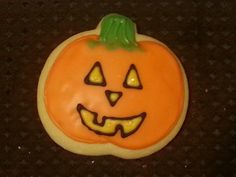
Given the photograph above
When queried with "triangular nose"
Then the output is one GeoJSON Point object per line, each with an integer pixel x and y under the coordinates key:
{"type": "Point", "coordinates": [113, 96]}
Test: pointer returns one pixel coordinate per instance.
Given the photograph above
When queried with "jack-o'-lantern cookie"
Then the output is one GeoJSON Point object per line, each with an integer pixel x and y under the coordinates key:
{"type": "Point", "coordinates": [112, 91]}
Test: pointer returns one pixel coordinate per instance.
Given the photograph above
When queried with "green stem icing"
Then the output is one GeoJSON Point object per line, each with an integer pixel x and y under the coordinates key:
{"type": "Point", "coordinates": [118, 31]}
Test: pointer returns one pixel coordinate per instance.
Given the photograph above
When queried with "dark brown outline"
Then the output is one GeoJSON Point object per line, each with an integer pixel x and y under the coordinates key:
{"type": "Point", "coordinates": [108, 92]}
{"type": "Point", "coordinates": [104, 118]}
{"type": "Point", "coordinates": [132, 66]}
{"type": "Point", "coordinates": [87, 81]}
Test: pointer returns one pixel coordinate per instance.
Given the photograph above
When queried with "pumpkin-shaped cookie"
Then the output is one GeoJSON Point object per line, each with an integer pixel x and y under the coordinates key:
{"type": "Point", "coordinates": [112, 91]}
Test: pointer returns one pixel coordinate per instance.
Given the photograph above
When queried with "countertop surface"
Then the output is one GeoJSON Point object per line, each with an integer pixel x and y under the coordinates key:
{"type": "Point", "coordinates": [201, 34]}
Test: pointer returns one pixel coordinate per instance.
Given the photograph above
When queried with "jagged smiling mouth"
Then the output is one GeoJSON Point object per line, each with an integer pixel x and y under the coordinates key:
{"type": "Point", "coordinates": [110, 125]}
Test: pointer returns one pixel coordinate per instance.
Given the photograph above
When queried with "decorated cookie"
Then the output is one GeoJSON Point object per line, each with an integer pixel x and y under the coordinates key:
{"type": "Point", "coordinates": [112, 91]}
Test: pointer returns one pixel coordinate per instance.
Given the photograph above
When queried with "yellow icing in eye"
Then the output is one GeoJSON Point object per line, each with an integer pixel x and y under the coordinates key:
{"type": "Point", "coordinates": [110, 124]}
{"type": "Point", "coordinates": [132, 79]}
{"type": "Point", "coordinates": [96, 76]}
{"type": "Point", "coordinates": [114, 96]}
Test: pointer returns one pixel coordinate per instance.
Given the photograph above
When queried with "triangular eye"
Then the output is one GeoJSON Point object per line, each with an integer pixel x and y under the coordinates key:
{"type": "Point", "coordinates": [95, 76]}
{"type": "Point", "coordinates": [132, 79]}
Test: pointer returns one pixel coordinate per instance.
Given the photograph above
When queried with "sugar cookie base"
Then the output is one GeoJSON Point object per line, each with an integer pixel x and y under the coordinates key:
{"type": "Point", "coordinates": [100, 149]}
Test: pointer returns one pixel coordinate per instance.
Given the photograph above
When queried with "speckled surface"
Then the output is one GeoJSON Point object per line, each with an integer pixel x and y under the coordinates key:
{"type": "Point", "coordinates": [201, 33]}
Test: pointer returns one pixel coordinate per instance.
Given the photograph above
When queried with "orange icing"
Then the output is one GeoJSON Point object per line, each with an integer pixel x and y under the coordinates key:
{"type": "Point", "coordinates": [161, 98]}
